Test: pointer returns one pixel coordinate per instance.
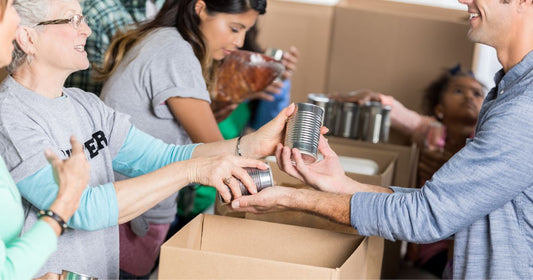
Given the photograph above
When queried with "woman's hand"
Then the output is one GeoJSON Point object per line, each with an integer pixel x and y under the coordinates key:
{"type": "Point", "coordinates": [224, 173]}
{"type": "Point", "coordinates": [262, 142]}
{"type": "Point", "coordinates": [72, 177]}
{"type": "Point", "coordinates": [290, 59]}
{"type": "Point", "coordinates": [325, 175]}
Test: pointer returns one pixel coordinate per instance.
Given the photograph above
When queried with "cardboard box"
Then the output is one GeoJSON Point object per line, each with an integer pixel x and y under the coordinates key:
{"type": "Point", "coordinates": [223, 247]}
{"type": "Point", "coordinates": [406, 163]}
{"type": "Point", "coordinates": [404, 175]}
{"type": "Point", "coordinates": [391, 47]}
{"type": "Point", "coordinates": [395, 48]}
{"type": "Point", "coordinates": [308, 27]}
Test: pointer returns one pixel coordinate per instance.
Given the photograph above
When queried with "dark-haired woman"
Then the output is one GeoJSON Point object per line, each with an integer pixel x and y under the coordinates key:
{"type": "Point", "coordinates": [161, 74]}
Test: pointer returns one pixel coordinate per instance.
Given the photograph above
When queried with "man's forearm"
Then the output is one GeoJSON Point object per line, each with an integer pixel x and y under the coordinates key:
{"type": "Point", "coordinates": [335, 207]}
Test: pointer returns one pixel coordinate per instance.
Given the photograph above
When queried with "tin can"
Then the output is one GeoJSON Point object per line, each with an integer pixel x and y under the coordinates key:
{"type": "Point", "coordinates": [276, 54]}
{"type": "Point", "coordinates": [330, 109]}
{"type": "Point", "coordinates": [318, 99]}
{"type": "Point", "coordinates": [303, 130]}
{"type": "Point", "coordinates": [69, 275]}
{"type": "Point", "coordinates": [371, 122]}
{"type": "Point", "coordinates": [349, 121]}
{"type": "Point", "coordinates": [262, 179]}
{"type": "Point", "coordinates": [385, 124]}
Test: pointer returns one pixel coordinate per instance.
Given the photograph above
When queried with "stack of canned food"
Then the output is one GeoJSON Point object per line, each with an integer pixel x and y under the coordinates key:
{"type": "Point", "coordinates": [368, 122]}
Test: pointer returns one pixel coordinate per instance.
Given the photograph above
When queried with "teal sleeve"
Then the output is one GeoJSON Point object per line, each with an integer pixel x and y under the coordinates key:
{"type": "Point", "coordinates": [141, 153]}
{"type": "Point", "coordinates": [98, 205]}
{"type": "Point", "coordinates": [21, 258]}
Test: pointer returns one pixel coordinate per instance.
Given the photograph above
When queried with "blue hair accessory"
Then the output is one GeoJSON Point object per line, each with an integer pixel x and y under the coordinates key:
{"type": "Point", "coordinates": [457, 70]}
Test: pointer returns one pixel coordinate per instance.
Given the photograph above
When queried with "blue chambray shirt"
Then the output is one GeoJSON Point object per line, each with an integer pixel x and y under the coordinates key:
{"type": "Point", "coordinates": [483, 194]}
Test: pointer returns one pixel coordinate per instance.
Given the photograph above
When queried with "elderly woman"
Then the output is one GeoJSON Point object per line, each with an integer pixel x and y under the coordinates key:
{"type": "Point", "coordinates": [37, 111]}
{"type": "Point", "coordinates": [21, 255]}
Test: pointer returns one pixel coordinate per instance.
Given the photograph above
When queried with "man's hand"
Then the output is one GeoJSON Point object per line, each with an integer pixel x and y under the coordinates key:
{"type": "Point", "coordinates": [267, 200]}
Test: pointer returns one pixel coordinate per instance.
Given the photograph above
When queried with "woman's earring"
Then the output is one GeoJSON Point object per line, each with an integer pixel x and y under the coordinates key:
{"type": "Point", "coordinates": [29, 59]}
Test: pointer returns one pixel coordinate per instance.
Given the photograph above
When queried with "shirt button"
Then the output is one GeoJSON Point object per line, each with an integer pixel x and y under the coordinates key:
{"type": "Point", "coordinates": [502, 91]}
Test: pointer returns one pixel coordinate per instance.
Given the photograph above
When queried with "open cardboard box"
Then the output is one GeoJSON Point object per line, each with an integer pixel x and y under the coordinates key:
{"type": "Point", "coordinates": [211, 247]}
{"type": "Point", "coordinates": [386, 161]}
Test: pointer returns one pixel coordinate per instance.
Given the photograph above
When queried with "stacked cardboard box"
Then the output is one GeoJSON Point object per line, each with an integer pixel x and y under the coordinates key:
{"type": "Point", "coordinates": [394, 48]}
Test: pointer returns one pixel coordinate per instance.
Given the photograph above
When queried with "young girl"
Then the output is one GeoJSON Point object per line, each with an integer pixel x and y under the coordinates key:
{"type": "Point", "coordinates": [161, 74]}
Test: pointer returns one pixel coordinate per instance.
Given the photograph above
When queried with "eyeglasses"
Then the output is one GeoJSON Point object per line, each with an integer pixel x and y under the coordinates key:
{"type": "Point", "coordinates": [75, 20]}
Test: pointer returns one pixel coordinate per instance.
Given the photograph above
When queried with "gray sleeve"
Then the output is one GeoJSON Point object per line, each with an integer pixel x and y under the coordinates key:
{"type": "Point", "coordinates": [22, 147]}
{"type": "Point", "coordinates": [173, 71]}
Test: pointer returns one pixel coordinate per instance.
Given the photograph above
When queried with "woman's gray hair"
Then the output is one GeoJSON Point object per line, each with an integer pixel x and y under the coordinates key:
{"type": "Point", "coordinates": [31, 12]}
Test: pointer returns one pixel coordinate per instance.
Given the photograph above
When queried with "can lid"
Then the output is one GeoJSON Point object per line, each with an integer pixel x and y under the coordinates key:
{"type": "Point", "coordinates": [277, 54]}
{"type": "Point", "coordinates": [348, 105]}
{"type": "Point", "coordinates": [319, 97]}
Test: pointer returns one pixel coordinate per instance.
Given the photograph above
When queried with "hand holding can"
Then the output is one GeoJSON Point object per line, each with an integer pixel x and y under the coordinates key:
{"type": "Point", "coordinates": [435, 137]}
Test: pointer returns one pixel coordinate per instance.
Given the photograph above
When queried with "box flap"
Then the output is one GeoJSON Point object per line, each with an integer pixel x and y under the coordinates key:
{"type": "Point", "coordinates": [190, 235]}
{"type": "Point", "coordinates": [293, 244]}
{"type": "Point", "coordinates": [301, 219]}
{"type": "Point", "coordinates": [179, 263]}
{"type": "Point", "coordinates": [406, 162]}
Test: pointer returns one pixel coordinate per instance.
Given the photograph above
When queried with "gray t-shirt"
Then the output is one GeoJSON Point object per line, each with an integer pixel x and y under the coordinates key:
{"type": "Point", "coordinates": [161, 66]}
{"type": "Point", "coordinates": [30, 123]}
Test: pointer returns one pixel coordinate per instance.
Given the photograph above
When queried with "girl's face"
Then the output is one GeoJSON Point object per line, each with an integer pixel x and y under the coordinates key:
{"type": "Point", "coordinates": [223, 32]}
{"type": "Point", "coordinates": [8, 27]}
{"type": "Point", "coordinates": [461, 100]}
{"type": "Point", "coordinates": [62, 46]}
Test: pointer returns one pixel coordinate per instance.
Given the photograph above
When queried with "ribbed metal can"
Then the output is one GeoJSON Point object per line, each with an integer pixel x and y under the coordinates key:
{"type": "Point", "coordinates": [262, 179]}
{"type": "Point", "coordinates": [330, 109]}
{"type": "Point", "coordinates": [349, 121]}
{"type": "Point", "coordinates": [385, 124]}
{"type": "Point", "coordinates": [371, 122]}
{"type": "Point", "coordinates": [303, 130]}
